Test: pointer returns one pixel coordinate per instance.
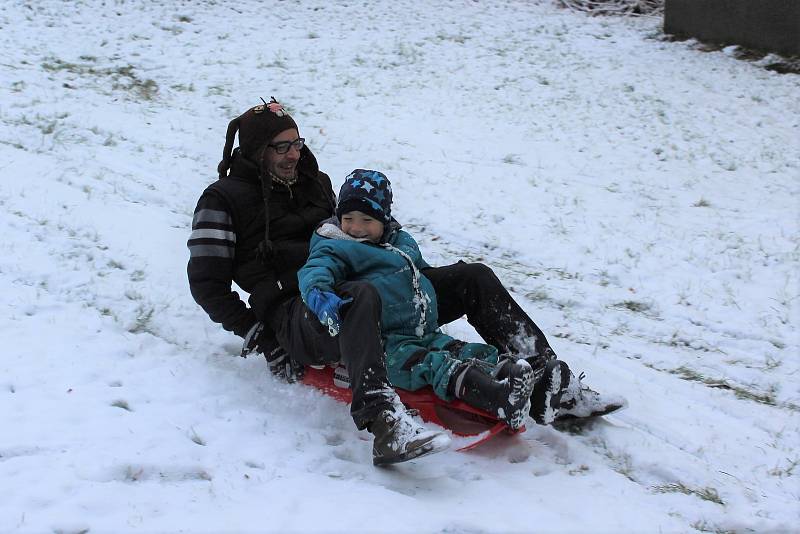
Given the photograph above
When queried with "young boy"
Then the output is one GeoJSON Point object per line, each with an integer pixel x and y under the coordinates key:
{"type": "Point", "coordinates": [365, 243]}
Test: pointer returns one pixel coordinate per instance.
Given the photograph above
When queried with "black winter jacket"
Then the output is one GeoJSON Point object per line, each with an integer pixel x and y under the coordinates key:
{"type": "Point", "coordinates": [227, 228]}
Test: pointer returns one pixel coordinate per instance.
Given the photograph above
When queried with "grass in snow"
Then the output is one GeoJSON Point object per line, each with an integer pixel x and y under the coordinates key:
{"type": "Point", "coordinates": [707, 494]}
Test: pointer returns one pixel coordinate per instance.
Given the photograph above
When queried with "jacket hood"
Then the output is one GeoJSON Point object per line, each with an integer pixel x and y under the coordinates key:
{"type": "Point", "coordinates": [332, 229]}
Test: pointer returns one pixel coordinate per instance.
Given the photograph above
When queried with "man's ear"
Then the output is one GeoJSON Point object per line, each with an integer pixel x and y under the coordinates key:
{"type": "Point", "coordinates": [263, 157]}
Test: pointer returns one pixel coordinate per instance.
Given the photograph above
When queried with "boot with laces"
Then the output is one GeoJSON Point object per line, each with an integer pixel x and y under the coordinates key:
{"type": "Point", "coordinates": [399, 438]}
{"type": "Point", "coordinates": [547, 393]}
{"type": "Point", "coordinates": [579, 401]}
{"type": "Point", "coordinates": [504, 391]}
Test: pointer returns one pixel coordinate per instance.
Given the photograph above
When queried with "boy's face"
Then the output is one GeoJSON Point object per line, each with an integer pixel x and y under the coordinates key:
{"type": "Point", "coordinates": [362, 226]}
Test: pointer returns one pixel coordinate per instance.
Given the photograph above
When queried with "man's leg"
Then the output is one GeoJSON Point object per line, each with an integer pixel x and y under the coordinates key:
{"type": "Point", "coordinates": [359, 346]}
{"type": "Point", "coordinates": [472, 289]}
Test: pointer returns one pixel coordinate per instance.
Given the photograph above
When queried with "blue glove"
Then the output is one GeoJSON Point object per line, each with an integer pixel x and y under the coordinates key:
{"type": "Point", "coordinates": [326, 306]}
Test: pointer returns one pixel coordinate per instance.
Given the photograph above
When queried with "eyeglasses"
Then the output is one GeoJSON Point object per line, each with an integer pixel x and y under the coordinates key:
{"type": "Point", "coordinates": [284, 146]}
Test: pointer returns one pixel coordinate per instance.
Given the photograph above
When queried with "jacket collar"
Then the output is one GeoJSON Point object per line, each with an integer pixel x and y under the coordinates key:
{"type": "Point", "coordinates": [332, 229]}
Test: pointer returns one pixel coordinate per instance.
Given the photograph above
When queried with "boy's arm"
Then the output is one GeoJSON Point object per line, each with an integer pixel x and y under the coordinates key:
{"type": "Point", "coordinates": [324, 268]}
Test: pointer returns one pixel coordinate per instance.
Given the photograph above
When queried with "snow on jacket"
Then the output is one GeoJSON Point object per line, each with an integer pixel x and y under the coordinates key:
{"type": "Point", "coordinates": [417, 353]}
{"type": "Point", "coordinates": [393, 268]}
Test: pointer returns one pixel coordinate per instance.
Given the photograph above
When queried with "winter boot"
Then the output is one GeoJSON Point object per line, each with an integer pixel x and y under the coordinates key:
{"type": "Point", "coordinates": [547, 393]}
{"type": "Point", "coordinates": [504, 391]}
{"type": "Point", "coordinates": [399, 438]}
{"type": "Point", "coordinates": [580, 401]}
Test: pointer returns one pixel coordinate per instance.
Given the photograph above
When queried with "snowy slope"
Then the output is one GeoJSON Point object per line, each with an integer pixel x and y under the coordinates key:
{"type": "Point", "coordinates": [641, 198]}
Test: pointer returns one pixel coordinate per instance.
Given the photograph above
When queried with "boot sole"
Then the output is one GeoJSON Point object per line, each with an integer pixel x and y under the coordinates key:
{"type": "Point", "coordinates": [611, 408]}
{"type": "Point", "coordinates": [438, 443]}
{"type": "Point", "coordinates": [523, 392]}
{"type": "Point", "coordinates": [548, 399]}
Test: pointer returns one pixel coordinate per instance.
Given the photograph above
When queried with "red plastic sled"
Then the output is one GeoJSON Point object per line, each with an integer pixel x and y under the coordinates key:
{"type": "Point", "coordinates": [457, 416]}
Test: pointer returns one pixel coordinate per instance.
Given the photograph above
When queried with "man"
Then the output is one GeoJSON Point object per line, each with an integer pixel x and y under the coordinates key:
{"type": "Point", "coordinates": [253, 227]}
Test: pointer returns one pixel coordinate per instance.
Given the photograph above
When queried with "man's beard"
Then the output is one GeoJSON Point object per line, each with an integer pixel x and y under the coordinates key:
{"type": "Point", "coordinates": [288, 181]}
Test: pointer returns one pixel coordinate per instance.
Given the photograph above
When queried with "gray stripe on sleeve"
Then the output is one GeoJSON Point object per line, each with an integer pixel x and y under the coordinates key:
{"type": "Point", "coordinates": [219, 251]}
{"type": "Point", "coordinates": [210, 233]}
{"type": "Point", "coordinates": [211, 216]}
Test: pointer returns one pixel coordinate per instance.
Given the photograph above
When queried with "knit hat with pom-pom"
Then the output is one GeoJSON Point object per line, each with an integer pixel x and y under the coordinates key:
{"type": "Point", "coordinates": [257, 127]}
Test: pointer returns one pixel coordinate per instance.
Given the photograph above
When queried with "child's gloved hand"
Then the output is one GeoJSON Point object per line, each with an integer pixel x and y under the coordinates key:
{"type": "Point", "coordinates": [327, 306]}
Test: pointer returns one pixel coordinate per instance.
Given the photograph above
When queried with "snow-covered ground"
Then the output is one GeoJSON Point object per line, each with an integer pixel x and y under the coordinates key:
{"type": "Point", "coordinates": [641, 198]}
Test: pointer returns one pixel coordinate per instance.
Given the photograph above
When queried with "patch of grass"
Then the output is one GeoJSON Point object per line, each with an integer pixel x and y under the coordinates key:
{"type": "Point", "coordinates": [580, 470]}
{"type": "Point", "coordinates": [787, 471]}
{"type": "Point", "coordinates": [202, 475]}
{"type": "Point", "coordinates": [763, 398]}
{"type": "Point", "coordinates": [183, 87]}
{"type": "Point", "coordinates": [144, 89]}
{"type": "Point", "coordinates": [770, 363]}
{"type": "Point", "coordinates": [705, 526]}
{"type": "Point", "coordinates": [622, 464]}
{"type": "Point", "coordinates": [71, 531]}
{"type": "Point", "coordinates": [215, 90]}
{"type": "Point", "coordinates": [144, 315]}
{"type": "Point", "coordinates": [632, 305]}
{"type": "Point", "coordinates": [444, 36]}
{"type": "Point", "coordinates": [537, 294]}
{"type": "Point", "coordinates": [691, 375]}
{"type": "Point", "coordinates": [174, 30]}
{"type": "Point", "coordinates": [563, 274]}
{"type": "Point", "coordinates": [119, 403]}
{"type": "Point", "coordinates": [677, 341]}
{"type": "Point", "coordinates": [707, 494]}
{"type": "Point", "coordinates": [123, 77]}
{"type": "Point", "coordinates": [197, 439]}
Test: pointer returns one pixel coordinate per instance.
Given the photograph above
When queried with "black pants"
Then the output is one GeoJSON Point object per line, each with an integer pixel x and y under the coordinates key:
{"type": "Point", "coordinates": [359, 346]}
{"type": "Point", "coordinates": [472, 289]}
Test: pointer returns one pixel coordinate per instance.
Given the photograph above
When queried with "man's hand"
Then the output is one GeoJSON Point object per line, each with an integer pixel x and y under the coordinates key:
{"type": "Point", "coordinates": [282, 366]}
{"type": "Point", "coordinates": [327, 307]}
{"type": "Point", "coordinates": [253, 340]}
{"type": "Point", "coordinates": [278, 360]}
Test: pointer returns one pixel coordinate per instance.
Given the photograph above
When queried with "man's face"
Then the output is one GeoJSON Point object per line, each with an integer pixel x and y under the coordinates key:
{"type": "Point", "coordinates": [283, 165]}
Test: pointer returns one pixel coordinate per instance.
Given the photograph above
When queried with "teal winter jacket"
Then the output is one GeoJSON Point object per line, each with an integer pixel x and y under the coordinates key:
{"type": "Point", "coordinates": [416, 353]}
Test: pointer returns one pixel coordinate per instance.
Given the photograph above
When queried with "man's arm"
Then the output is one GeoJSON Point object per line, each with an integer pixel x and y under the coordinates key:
{"type": "Point", "coordinates": [211, 265]}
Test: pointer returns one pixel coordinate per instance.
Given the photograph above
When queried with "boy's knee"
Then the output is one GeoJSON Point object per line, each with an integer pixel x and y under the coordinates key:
{"type": "Point", "coordinates": [363, 293]}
